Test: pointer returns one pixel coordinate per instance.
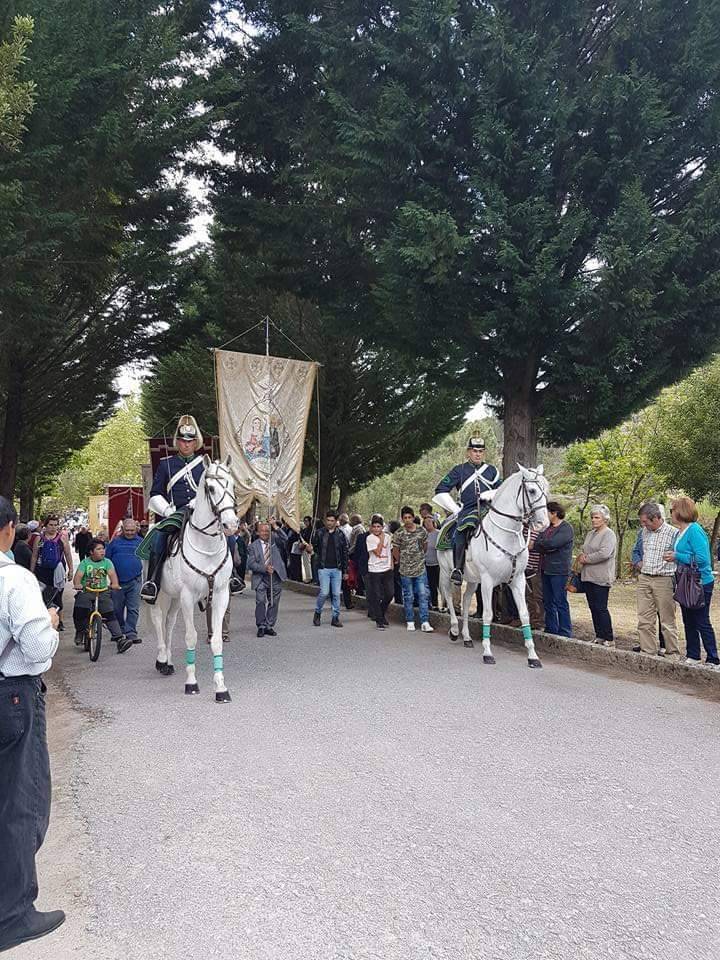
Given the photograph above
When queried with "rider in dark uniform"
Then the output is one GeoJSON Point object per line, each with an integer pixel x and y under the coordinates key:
{"type": "Point", "coordinates": [476, 481]}
{"type": "Point", "coordinates": [173, 490]}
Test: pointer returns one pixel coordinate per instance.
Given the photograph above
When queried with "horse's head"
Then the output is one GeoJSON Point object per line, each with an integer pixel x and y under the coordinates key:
{"type": "Point", "coordinates": [219, 490]}
{"type": "Point", "coordinates": [533, 496]}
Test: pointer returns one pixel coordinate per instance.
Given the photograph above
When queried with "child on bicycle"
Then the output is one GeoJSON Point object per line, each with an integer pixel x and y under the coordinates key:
{"type": "Point", "coordinates": [96, 573]}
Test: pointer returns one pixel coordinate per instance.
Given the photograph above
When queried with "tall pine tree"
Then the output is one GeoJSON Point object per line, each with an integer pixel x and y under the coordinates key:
{"type": "Point", "coordinates": [529, 192]}
{"type": "Point", "coordinates": [87, 268]}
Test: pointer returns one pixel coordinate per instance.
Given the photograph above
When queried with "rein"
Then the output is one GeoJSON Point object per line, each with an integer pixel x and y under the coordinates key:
{"type": "Point", "coordinates": [216, 521]}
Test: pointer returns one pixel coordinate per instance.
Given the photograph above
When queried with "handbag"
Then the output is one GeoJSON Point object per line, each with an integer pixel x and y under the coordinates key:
{"type": "Point", "coordinates": [689, 592]}
{"type": "Point", "coordinates": [574, 583]}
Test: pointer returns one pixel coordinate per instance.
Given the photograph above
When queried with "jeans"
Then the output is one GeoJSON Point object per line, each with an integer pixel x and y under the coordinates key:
{"type": "Point", "coordinates": [597, 598]}
{"type": "Point", "coordinates": [415, 587]}
{"type": "Point", "coordinates": [24, 792]}
{"type": "Point", "coordinates": [557, 608]}
{"type": "Point", "coordinates": [698, 627]}
{"type": "Point", "coordinates": [330, 580]}
{"type": "Point", "coordinates": [127, 606]}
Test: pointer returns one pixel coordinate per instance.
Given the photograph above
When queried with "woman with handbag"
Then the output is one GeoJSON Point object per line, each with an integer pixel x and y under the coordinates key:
{"type": "Point", "coordinates": [597, 572]}
{"type": "Point", "coordinates": [692, 554]}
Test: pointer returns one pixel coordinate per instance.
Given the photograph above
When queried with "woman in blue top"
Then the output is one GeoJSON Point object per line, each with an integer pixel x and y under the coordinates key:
{"type": "Point", "coordinates": [691, 545]}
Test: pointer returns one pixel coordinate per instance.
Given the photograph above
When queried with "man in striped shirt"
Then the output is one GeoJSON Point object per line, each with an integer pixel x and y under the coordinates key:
{"type": "Point", "coordinates": [655, 583]}
{"type": "Point", "coordinates": [28, 640]}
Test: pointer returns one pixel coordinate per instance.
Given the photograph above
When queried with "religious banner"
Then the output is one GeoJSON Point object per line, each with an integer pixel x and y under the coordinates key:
{"type": "Point", "coordinates": [263, 407]}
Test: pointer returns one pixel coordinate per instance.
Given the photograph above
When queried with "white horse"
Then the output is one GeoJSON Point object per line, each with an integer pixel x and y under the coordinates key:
{"type": "Point", "coordinates": [200, 567]}
{"type": "Point", "coordinates": [498, 554]}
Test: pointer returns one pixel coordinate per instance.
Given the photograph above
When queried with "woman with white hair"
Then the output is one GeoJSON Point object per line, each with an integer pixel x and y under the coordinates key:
{"type": "Point", "coordinates": [597, 561]}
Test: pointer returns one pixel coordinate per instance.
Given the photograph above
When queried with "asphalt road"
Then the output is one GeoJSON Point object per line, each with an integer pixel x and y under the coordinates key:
{"type": "Point", "coordinates": [377, 794]}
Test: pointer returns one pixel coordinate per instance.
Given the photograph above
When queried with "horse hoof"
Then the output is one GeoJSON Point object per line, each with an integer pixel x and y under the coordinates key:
{"type": "Point", "coordinates": [487, 659]}
{"type": "Point", "coordinates": [192, 688]}
{"type": "Point", "coordinates": [223, 697]}
{"type": "Point", "coordinates": [454, 636]}
{"type": "Point", "coordinates": [534, 663]}
{"type": "Point", "coordinates": [160, 667]}
{"type": "Point", "coordinates": [468, 643]}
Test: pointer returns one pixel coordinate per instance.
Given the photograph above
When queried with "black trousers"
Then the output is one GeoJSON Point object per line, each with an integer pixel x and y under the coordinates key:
{"type": "Point", "coordinates": [24, 792]}
{"type": "Point", "coordinates": [433, 575]}
{"type": "Point", "coordinates": [380, 590]}
{"type": "Point", "coordinates": [597, 598]}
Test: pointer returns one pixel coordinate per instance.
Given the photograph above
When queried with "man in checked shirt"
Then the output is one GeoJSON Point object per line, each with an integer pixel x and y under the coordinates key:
{"type": "Point", "coordinates": [28, 640]}
{"type": "Point", "coordinates": [655, 583]}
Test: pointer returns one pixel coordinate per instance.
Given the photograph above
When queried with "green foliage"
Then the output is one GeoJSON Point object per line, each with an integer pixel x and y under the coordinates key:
{"type": "Point", "coordinates": [115, 454]}
{"type": "Point", "coordinates": [89, 214]}
{"type": "Point", "coordinates": [415, 483]}
{"type": "Point", "coordinates": [616, 468]}
{"type": "Point", "coordinates": [528, 195]}
{"type": "Point", "coordinates": [16, 97]}
{"type": "Point", "coordinates": [686, 446]}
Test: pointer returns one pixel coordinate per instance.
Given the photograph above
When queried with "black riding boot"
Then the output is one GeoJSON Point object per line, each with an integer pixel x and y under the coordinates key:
{"type": "Point", "coordinates": [150, 589]}
{"type": "Point", "coordinates": [459, 548]}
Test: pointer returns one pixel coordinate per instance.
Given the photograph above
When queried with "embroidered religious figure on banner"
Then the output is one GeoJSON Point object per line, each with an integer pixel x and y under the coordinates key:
{"type": "Point", "coordinates": [263, 406]}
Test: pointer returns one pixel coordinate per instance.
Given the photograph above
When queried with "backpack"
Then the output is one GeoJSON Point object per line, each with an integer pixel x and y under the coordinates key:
{"type": "Point", "coordinates": [52, 552]}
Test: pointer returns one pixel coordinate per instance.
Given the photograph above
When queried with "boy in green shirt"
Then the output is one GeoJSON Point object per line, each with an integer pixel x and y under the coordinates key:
{"type": "Point", "coordinates": [95, 577]}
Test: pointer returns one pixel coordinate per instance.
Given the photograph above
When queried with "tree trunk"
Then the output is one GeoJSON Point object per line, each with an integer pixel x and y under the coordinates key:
{"type": "Point", "coordinates": [27, 501]}
{"type": "Point", "coordinates": [323, 491]}
{"type": "Point", "coordinates": [520, 431]}
{"type": "Point", "coordinates": [714, 538]}
{"type": "Point", "coordinates": [12, 434]}
{"type": "Point", "coordinates": [342, 500]}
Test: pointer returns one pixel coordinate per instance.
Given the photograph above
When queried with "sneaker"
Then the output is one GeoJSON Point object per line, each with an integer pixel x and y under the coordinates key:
{"type": "Point", "coordinates": [79, 638]}
{"type": "Point", "coordinates": [426, 628]}
{"type": "Point", "coordinates": [316, 619]}
{"type": "Point", "coordinates": [410, 626]}
{"type": "Point", "coordinates": [124, 644]}
{"type": "Point", "coordinates": [31, 926]}
{"type": "Point", "coordinates": [636, 648]}
{"type": "Point", "coordinates": [712, 662]}
{"type": "Point", "coordinates": [335, 622]}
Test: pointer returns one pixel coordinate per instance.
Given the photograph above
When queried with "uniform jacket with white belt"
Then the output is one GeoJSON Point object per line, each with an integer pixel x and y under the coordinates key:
{"type": "Point", "coordinates": [470, 481]}
{"type": "Point", "coordinates": [175, 483]}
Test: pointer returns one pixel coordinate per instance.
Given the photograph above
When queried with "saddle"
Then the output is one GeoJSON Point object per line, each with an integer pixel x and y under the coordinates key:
{"type": "Point", "coordinates": [470, 521]}
{"type": "Point", "coordinates": [172, 526]}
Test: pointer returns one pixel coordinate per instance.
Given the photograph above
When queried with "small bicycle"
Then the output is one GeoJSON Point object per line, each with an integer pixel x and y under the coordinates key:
{"type": "Point", "coordinates": [93, 631]}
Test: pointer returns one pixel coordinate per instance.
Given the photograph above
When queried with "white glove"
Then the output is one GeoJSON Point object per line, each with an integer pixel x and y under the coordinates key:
{"type": "Point", "coordinates": [158, 504]}
{"type": "Point", "coordinates": [487, 495]}
{"type": "Point", "coordinates": [446, 501]}
{"type": "Point", "coordinates": [191, 504]}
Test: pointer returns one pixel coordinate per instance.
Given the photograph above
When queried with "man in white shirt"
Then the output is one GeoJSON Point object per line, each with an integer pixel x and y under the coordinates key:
{"type": "Point", "coordinates": [380, 586]}
{"type": "Point", "coordinates": [28, 640]}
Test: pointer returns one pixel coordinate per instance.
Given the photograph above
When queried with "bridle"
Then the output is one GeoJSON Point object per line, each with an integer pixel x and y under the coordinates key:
{"type": "Point", "coordinates": [215, 506]}
{"type": "Point", "coordinates": [528, 506]}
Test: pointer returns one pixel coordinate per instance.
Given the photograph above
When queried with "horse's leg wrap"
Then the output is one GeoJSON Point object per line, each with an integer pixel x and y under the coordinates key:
{"type": "Point", "coordinates": [527, 632]}
{"type": "Point", "coordinates": [486, 631]}
{"type": "Point", "coordinates": [190, 657]}
{"type": "Point", "coordinates": [218, 663]}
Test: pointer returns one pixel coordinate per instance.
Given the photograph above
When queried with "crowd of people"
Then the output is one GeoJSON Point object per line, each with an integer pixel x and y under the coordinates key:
{"type": "Point", "coordinates": [396, 561]}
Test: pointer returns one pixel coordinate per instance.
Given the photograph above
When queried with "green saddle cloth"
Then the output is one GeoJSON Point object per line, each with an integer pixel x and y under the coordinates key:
{"type": "Point", "coordinates": [469, 521]}
{"type": "Point", "coordinates": [173, 522]}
